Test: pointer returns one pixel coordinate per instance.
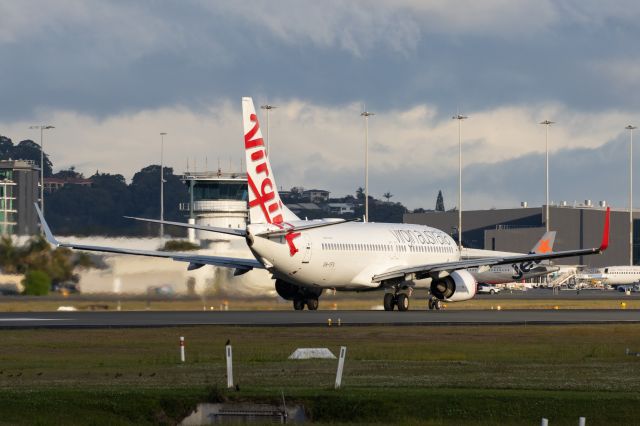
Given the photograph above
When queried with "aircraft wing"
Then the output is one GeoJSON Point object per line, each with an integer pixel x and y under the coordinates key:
{"type": "Point", "coordinates": [195, 260]}
{"type": "Point", "coordinates": [438, 269]}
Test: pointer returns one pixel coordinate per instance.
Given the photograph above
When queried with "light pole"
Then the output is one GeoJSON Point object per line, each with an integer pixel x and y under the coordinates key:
{"type": "Point", "coordinates": [366, 115]}
{"type": "Point", "coordinates": [547, 123]}
{"type": "Point", "coordinates": [630, 129]}
{"type": "Point", "coordinates": [459, 118]}
{"type": "Point", "coordinates": [162, 135]}
{"type": "Point", "coordinates": [268, 108]}
{"type": "Point", "coordinates": [42, 129]}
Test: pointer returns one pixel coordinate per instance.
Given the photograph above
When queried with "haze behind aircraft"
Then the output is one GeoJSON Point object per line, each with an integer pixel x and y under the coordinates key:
{"type": "Point", "coordinates": [306, 257]}
{"type": "Point", "coordinates": [518, 271]}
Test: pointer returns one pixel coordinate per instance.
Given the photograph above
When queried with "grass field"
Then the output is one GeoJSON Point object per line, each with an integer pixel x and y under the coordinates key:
{"type": "Point", "coordinates": [412, 375]}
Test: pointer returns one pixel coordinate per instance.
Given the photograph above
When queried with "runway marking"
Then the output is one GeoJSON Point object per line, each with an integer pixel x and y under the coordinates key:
{"type": "Point", "coordinates": [34, 319]}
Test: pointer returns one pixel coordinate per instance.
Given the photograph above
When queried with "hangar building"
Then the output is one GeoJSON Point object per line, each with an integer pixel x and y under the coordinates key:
{"type": "Point", "coordinates": [518, 229]}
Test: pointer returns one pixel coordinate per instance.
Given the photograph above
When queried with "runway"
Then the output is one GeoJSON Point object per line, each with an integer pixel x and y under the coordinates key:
{"type": "Point", "coordinates": [17, 320]}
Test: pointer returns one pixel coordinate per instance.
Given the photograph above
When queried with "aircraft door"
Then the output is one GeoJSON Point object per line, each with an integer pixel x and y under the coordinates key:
{"type": "Point", "coordinates": [306, 249]}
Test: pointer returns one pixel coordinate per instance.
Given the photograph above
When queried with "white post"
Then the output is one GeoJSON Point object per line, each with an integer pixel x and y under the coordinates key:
{"type": "Point", "coordinates": [267, 108]}
{"type": "Point", "coordinates": [546, 172]}
{"type": "Point", "coordinates": [191, 233]}
{"type": "Point", "coordinates": [181, 348]}
{"type": "Point", "coordinates": [343, 354]}
{"type": "Point", "coordinates": [544, 422]}
{"type": "Point", "coordinates": [162, 184]}
{"type": "Point", "coordinates": [630, 128]}
{"type": "Point", "coordinates": [229, 366]}
{"type": "Point", "coordinates": [582, 421]}
{"type": "Point", "coordinates": [366, 116]}
{"type": "Point", "coordinates": [459, 117]}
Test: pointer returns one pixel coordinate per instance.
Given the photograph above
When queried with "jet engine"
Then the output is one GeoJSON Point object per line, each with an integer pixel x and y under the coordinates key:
{"type": "Point", "coordinates": [458, 286]}
{"type": "Point", "coordinates": [290, 291]}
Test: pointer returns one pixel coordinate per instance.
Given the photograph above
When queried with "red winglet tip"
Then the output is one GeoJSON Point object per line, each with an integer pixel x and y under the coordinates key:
{"type": "Point", "coordinates": [605, 233]}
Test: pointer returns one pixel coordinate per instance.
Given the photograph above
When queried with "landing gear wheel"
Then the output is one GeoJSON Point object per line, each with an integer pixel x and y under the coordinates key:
{"type": "Point", "coordinates": [402, 301]}
{"type": "Point", "coordinates": [389, 302]}
{"type": "Point", "coordinates": [434, 303]}
{"type": "Point", "coordinates": [312, 304]}
{"type": "Point", "coordinates": [298, 304]}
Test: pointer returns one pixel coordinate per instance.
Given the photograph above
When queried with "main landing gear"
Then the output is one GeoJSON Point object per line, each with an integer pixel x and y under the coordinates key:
{"type": "Point", "coordinates": [392, 300]}
{"type": "Point", "coordinates": [434, 303]}
{"type": "Point", "coordinates": [312, 304]}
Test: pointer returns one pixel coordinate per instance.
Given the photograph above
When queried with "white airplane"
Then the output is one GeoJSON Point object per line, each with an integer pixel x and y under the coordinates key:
{"type": "Point", "coordinates": [306, 257]}
{"type": "Point", "coordinates": [501, 274]}
{"type": "Point", "coordinates": [613, 275]}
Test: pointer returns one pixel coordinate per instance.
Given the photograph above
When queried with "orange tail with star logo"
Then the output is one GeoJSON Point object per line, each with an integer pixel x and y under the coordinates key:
{"type": "Point", "coordinates": [545, 244]}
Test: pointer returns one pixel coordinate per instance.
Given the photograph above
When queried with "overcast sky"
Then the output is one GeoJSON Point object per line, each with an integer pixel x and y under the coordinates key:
{"type": "Point", "coordinates": [112, 75]}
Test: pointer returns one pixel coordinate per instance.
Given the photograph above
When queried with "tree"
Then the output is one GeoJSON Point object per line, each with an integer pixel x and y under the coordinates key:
{"type": "Point", "coordinates": [387, 195]}
{"type": "Point", "coordinates": [29, 150]}
{"type": "Point", "coordinates": [36, 283]}
{"type": "Point", "coordinates": [9, 255]}
{"type": "Point", "coordinates": [6, 147]}
{"type": "Point", "coordinates": [440, 202]}
{"type": "Point", "coordinates": [68, 173]}
{"type": "Point", "coordinates": [360, 193]}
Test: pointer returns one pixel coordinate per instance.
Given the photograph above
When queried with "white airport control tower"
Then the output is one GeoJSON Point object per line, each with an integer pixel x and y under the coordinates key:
{"type": "Point", "coordinates": [219, 199]}
{"type": "Point", "coordinates": [216, 199]}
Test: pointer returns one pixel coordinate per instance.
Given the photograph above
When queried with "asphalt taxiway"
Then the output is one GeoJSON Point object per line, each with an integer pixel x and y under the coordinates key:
{"type": "Point", "coordinates": [15, 320]}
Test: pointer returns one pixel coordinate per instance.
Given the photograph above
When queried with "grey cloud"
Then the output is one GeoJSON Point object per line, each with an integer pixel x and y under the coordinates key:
{"type": "Point", "coordinates": [575, 175]}
{"type": "Point", "coordinates": [109, 58]}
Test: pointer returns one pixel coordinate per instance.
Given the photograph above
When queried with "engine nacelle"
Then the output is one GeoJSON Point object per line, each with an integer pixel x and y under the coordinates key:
{"type": "Point", "coordinates": [290, 291]}
{"type": "Point", "coordinates": [458, 286]}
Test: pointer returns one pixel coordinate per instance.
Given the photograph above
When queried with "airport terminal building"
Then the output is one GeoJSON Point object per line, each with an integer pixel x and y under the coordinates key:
{"type": "Point", "coordinates": [518, 230]}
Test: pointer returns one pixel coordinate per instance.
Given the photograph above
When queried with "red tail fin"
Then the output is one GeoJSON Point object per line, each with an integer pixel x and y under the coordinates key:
{"type": "Point", "coordinates": [605, 233]}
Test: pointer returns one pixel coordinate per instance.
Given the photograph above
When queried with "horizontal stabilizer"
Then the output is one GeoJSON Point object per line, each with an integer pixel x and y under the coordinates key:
{"type": "Point", "coordinates": [286, 230]}
{"type": "Point", "coordinates": [229, 231]}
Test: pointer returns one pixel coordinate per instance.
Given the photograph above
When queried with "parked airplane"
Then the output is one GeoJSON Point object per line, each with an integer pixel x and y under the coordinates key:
{"type": "Point", "coordinates": [305, 257]}
{"type": "Point", "coordinates": [518, 271]}
{"type": "Point", "coordinates": [613, 275]}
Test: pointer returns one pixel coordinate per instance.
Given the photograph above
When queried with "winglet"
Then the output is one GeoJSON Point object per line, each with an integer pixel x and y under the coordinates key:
{"type": "Point", "coordinates": [605, 233]}
{"type": "Point", "coordinates": [47, 232]}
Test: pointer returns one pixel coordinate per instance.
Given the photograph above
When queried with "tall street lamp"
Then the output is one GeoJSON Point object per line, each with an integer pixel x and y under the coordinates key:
{"type": "Point", "coordinates": [630, 128]}
{"type": "Point", "coordinates": [459, 118]}
{"type": "Point", "coordinates": [366, 115]}
{"type": "Point", "coordinates": [547, 123]}
{"type": "Point", "coordinates": [268, 108]}
{"type": "Point", "coordinates": [162, 135]}
{"type": "Point", "coordinates": [42, 129]}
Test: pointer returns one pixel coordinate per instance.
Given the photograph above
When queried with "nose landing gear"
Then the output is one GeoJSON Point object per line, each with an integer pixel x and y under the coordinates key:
{"type": "Point", "coordinates": [434, 303]}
